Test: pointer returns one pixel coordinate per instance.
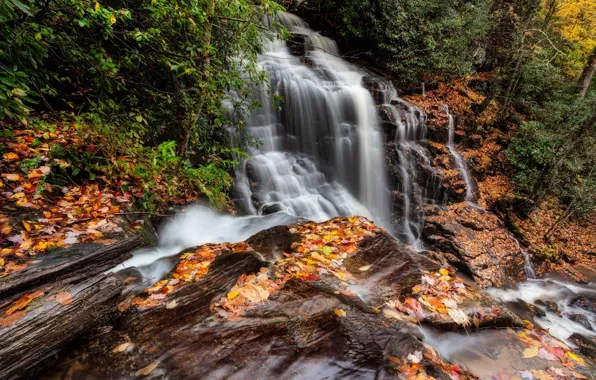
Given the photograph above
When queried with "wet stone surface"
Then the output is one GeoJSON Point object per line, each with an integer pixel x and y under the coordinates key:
{"type": "Point", "coordinates": [339, 299]}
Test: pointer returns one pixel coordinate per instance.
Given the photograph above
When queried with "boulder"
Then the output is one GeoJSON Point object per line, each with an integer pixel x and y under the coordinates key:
{"type": "Point", "coordinates": [477, 243]}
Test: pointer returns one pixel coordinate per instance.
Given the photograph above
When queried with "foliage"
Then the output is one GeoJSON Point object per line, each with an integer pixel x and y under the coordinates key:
{"type": "Point", "coordinates": [575, 22]}
{"type": "Point", "coordinates": [140, 72]}
{"type": "Point", "coordinates": [414, 39]}
{"type": "Point", "coordinates": [555, 153]}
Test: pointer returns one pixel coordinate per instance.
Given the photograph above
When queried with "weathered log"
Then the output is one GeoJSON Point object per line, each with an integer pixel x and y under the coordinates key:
{"type": "Point", "coordinates": [48, 325]}
{"type": "Point", "coordinates": [69, 265]}
{"type": "Point", "coordinates": [34, 333]}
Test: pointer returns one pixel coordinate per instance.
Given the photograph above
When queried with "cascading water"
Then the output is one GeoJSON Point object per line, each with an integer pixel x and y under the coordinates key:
{"type": "Point", "coordinates": [412, 156]}
{"type": "Point", "coordinates": [460, 163]}
{"type": "Point", "coordinates": [323, 144]}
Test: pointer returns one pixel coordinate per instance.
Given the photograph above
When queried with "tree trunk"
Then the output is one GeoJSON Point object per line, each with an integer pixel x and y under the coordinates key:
{"type": "Point", "coordinates": [587, 75]}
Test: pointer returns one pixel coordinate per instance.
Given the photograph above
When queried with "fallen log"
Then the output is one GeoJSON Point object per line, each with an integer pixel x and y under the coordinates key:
{"type": "Point", "coordinates": [69, 265]}
{"type": "Point", "coordinates": [32, 335]}
{"type": "Point", "coordinates": [55, 301]}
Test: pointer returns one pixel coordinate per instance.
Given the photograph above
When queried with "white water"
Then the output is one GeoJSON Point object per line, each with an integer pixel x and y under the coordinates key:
{"type": "Point", "coordinates": [528, 269]}
{"type": "Point", "coordinates": [322, 153]}
{"type": "Point", "coordinates": [561, 293]}
{"type": "Point", "coordinates": [200, 225]}
{"type": "Point", "coordinates": [460, 163]}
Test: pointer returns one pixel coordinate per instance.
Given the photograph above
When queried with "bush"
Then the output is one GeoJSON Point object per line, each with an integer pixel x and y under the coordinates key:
{"type": "Point", "coordinates": [142, 72]}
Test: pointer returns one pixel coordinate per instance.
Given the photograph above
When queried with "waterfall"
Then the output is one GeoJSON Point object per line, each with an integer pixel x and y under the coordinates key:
{"type": "Point", "coordinates": [321, 153]}
{"type": "Point", "coordinates": [460, 163]}
{"type": "Point", "coordinates": [410, 122]}
{"type": "Point", "coordinates": [528, 269]}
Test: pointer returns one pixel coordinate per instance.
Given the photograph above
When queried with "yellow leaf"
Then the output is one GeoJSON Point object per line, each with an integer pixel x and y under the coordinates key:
{"type": "Point", "coordinates": [530, 352]}
{"type": "Point", "coordinates": [97, 7]}
{"type": "Point", "coordinates": [340, 313]}
{"type": "Point", "coordinates": [27, 226]}
{"type": "Point", "coordinates": [13, 177]}
{"type": "Point", "coordinates": [390, 313]}
{"type": "Point", "coordinates": [147, 370]}
{"type": "Point", "coordinates": [232, 295]}
{"type": "Point", "coordinates": [112, 20]}
{"type": "Point", "coordinates": [576, 358]}
{"type": "Point", "coordinates": [10, 156]}
{"type": "Point", "coordinates": [444, 271]}
{"type": "Point", "coordinates": [121, 347]}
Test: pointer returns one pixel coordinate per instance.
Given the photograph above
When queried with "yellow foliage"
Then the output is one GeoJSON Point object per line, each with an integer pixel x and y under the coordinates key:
{"type": "Point", "coordinates": [575, 20]}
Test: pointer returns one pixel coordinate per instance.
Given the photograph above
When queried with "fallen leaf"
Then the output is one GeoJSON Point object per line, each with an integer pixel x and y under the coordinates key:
{"type": "Point", "coordinates": [121, 347]}
{"type": "Point", "coordinates": [365, 268]}
{"type": "Point", "coordinates": [458, 316]}
{"type": "Point", "coordinates": [444, 272]}
{"type": "Point", "coordinates": [340, 313]}
{"type": "Point", "coordinates": [23, 302]}
{"type": "Point", "coordinates": [416, 357]}
{"type": "Point", "coordinates": [147, 370]}
{"type": "Point", "coordinates": [27, 226]}
{"type": "Point", "coordinates": [530, 352]}
{"type": "Point", "coordinates": [171, 305]}
{"type": "Point", "coordinates": [576, 358]}
{"type": "Point", "coordinates": [13, 177]}
{"type": "Point", "coordinates": [64, 298]}
{"type": "Point", "coordinates": [5, 322]}
{"type": "Point", "coordinates": [579, 376]}
{"type": "Point", "coordinates": [10, 156]}
{"type": "Point", "coordinates": [390, 313]}
{"type": "Point", "coordinates": [232, 295]}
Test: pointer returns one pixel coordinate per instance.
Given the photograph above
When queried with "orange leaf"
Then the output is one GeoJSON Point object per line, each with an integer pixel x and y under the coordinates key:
{"type": "Point", "coordinates": [27, 226]}
{"type": "Point", "coordinates": [64, 298]}
{"type": "Point", "coordinates": [147, 370]}
{"type": "Point", "coordinates": [4, 322]}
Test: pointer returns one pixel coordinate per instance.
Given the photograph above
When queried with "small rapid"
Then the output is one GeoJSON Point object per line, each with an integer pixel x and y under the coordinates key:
{"type": "Point", "coordinates": [558, 301]}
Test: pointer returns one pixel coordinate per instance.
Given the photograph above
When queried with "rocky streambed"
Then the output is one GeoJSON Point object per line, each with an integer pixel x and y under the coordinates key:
{"type": "Point", "coordinates": [338, 299]}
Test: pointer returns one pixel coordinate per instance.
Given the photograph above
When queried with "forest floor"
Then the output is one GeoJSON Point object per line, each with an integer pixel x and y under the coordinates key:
{"type": "Point", "coordinates": [58, 188]}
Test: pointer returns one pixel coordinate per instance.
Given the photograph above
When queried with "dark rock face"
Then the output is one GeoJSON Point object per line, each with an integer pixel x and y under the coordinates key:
{"type": "Point", "coordinates": [477, 243]}
{"type": "Point", "coordinates": [581, 319]}
{"type": "Point", "coordinates": [582, 302]}
{"type": "Point", "coordinates": [310, 328]}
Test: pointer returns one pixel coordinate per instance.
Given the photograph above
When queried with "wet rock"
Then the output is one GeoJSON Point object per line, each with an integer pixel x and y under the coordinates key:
{"type": "Point", "coordinates": [525, 310]}
{"type": "Point", "coordinates": [313, 326]}
{"type": "Point", "coordinates": [273, 242]}
{"type": "Point", "coordinates": [586, 345]}
{"type": "Point", "coordinates": [581, 319]}
{"type": "Point", "coordinates": [550, 306]}
{"type": "Point", "coordinates": [476, 241]}
{"type": "Point", "coordinates": [588, 304]}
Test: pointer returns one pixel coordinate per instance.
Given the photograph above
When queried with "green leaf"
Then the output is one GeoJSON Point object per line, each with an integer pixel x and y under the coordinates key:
{"type": "Point", "coordinates": [22, 6]}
